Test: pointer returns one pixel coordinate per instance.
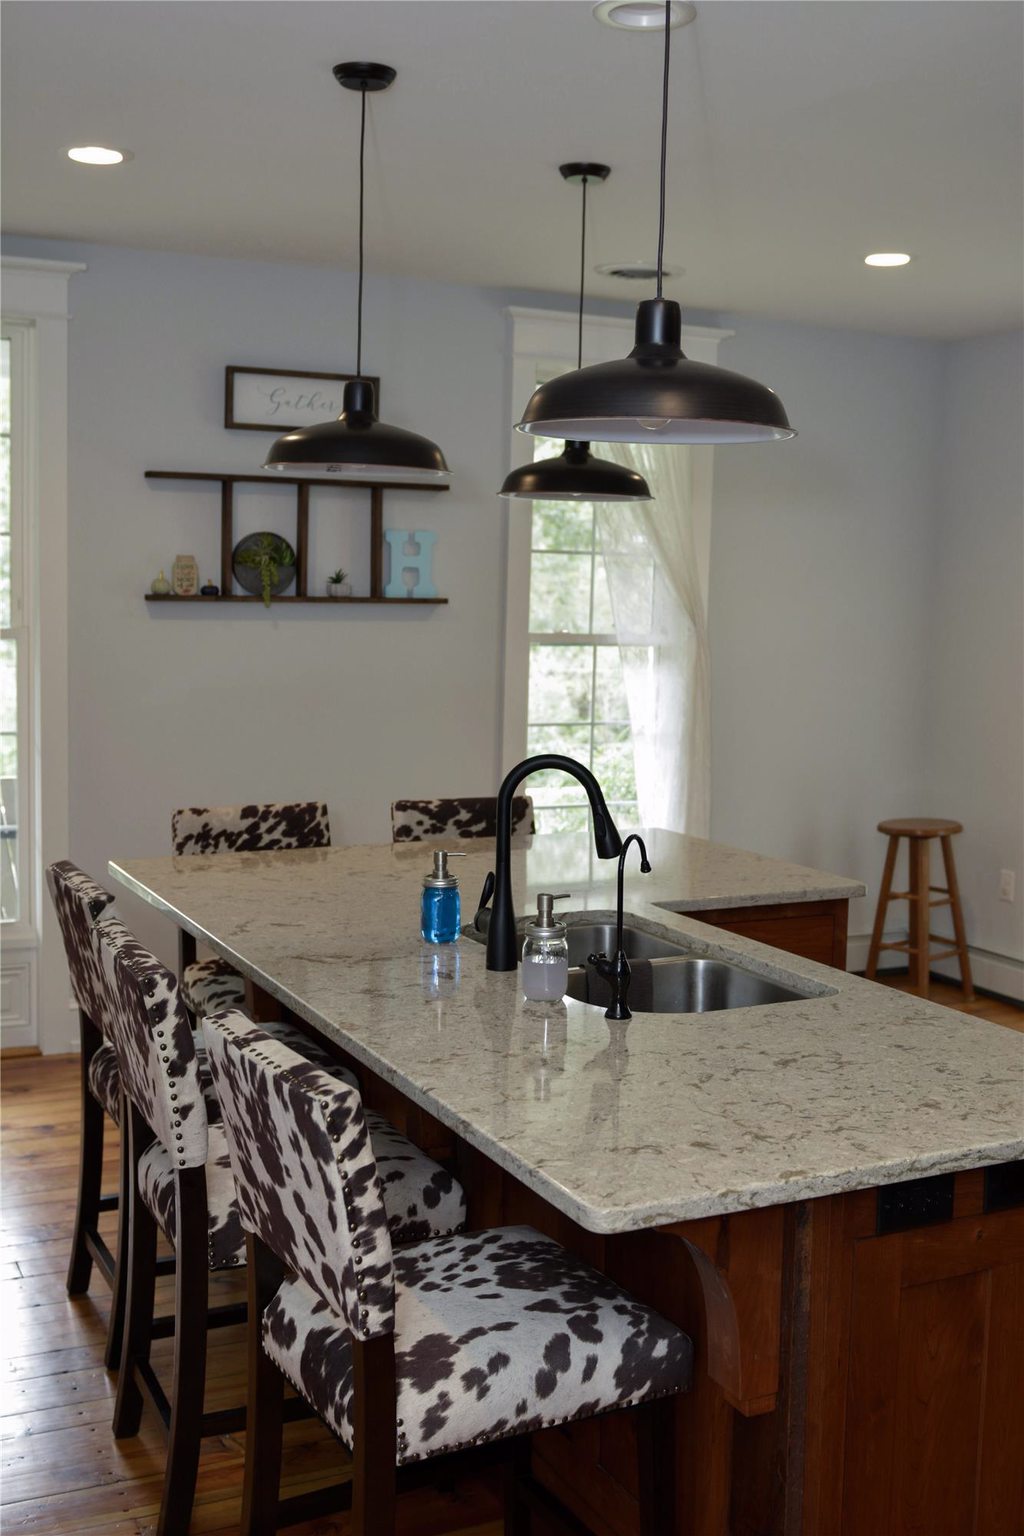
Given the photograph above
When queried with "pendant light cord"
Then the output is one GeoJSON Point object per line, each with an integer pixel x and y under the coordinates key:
{"type": "Point", "coordinates": [362, 178]}
{"type": "Point", "coordinates": [664, 143]}
{"type": "Point", "coordinates": [583, 269]}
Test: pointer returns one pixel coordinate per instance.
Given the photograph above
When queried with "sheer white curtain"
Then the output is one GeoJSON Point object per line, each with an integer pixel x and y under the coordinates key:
{"type": "Point", "coordinates": [650, 556]}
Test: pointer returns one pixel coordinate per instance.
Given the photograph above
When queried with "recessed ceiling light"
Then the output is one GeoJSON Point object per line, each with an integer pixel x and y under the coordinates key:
{"type": "Point", "coordinates": [887, 259]}
{"type": "Point", "coordinates": [638, 16]}
{"type": "Point", "coordinates": [97, 154]}
{"type": "Point", "coordinates": [639, 271]}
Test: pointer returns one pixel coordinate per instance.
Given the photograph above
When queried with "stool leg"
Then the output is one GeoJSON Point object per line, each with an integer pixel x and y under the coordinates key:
{"type": "Point", "coordinates": [264, 1399]}
{"type": "Point", "coordinates": [959, 931]}
{"type": "Point", "coordinates": [119, 1286]}
{"type": "Point", "coordinates": [90, 1166]}
{"type": "Point", "coordinates": [656, 1456]}
{"type": "Point", "coordinates": [191, 1302]}
{"type": "Point", "coordinates": [920, 913]}
{"type": "Point", "coordinates": [138, 1323]}
{"type": "Point", "coordinates": [883, 904]}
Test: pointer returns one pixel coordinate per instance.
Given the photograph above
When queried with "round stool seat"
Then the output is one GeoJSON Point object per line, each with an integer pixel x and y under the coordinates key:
{"type": "Point", "coordinates": [920, 826]}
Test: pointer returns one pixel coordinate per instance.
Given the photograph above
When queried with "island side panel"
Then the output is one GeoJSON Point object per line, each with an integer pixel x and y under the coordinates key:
{"type": "Point", "coordinates": [816, 930]}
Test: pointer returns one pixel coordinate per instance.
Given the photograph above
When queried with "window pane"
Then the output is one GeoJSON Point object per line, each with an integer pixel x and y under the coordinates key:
{"type": "Point", "coordinates": [563, 525]}
{"type": "Point", "coordinates": [609, 692]}
{"type": "Point", "coordinates": [613, 768]}
{"type": "Point", "coordinates": [560, 684]}
{"type": "Point", "coordinates": [603, 620]}
{"type": "Point", "coordinates": [560, 594]}
{"type": "Point", "coordinates": [5, 384]}
{"type": "Point", "coordinates": [8, 780]}
{"type": "Point", "coordinates": [570, 740]}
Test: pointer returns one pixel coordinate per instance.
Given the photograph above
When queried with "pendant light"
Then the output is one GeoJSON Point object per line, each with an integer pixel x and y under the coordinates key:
{"type": "Point", "coordinates": [357, 445]}
{"type": "Point", "coordinates": [656, 394]}
{"type": "Point", "coordinates": [574, 474]}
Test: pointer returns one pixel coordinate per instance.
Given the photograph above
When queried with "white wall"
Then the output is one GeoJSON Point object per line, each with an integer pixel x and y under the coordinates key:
{"type": "Point", "coordinates": [172, 706]}
{"type": "Point", "coordinates": [975, 700]}
{"type": "Point", "coordinates": [820, 597]}
{"type": "Point", "coordinates": [823, 571]}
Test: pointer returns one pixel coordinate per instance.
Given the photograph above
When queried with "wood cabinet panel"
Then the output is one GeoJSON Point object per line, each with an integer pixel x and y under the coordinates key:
{"type": "Point", "coordinates": [814, 929]}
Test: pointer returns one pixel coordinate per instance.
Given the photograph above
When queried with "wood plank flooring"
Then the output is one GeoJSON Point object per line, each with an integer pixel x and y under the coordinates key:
{"type": "Point", "coordinates": [63, 1471]}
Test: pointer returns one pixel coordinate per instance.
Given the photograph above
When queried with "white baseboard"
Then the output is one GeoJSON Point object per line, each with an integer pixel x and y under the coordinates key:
{"type": "Point", "coordinates": [993, 972]}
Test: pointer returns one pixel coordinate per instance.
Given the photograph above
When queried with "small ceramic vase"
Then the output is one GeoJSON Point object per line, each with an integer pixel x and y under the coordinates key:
{"type": "Point", "coordinates": [339, 589]}
{"type": "Point", "coordinates": [160, 586]}
{"type": "Point", "coordinates": [209, 590]}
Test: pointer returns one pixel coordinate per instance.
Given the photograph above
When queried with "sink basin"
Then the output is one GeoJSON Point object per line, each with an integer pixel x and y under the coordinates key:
{"type": "Point", "coordinates": [683, 984]}
{"type": "Point", "coordinates": [593, 938]}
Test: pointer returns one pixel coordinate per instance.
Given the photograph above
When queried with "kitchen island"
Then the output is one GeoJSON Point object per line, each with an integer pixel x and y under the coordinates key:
{"type": "Point", "coordinates": [818, 1190]}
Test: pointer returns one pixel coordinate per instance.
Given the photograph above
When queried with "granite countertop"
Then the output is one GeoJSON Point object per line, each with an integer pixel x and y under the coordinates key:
{"type": "Point", "coordinates": [665, 1118]}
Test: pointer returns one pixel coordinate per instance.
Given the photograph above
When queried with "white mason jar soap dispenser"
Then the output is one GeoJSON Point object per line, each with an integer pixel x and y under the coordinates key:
{"type": "Point", "coordinates": [546, 953]}
{"type": "Point", "coordinates": [440, 904]}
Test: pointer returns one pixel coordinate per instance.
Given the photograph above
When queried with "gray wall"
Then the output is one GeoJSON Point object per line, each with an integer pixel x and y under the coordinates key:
{"type": "Point", "coordinates": [975, 701]}
{"type": "Point", "coordinates": [824, 595]}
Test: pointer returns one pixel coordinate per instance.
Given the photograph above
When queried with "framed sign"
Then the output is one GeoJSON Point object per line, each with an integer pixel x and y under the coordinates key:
{"type": "Point", "coordinates": [279, 399]}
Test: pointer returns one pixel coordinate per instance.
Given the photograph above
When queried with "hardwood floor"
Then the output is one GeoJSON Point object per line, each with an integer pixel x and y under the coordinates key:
{"type": "Point", "coordinates": [63, 1471]}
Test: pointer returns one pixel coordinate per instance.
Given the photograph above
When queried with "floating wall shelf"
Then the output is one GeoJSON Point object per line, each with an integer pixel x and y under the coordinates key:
{"type": "Point", "coordinates": [227, 483]}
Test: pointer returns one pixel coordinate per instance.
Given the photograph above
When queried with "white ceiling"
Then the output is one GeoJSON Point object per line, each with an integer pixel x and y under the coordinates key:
{"type": "Point", "coordinates": [802, 136]}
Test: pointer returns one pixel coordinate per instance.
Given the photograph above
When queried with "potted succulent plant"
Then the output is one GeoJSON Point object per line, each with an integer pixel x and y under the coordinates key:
{"type": "Point", "coordinates": [264, 564]}
{"type": "Point", "coordinates": [339, 585]}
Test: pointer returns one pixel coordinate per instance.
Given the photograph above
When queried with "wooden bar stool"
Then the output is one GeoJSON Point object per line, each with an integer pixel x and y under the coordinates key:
{"type": "Point", "coordinates": [919, 831]}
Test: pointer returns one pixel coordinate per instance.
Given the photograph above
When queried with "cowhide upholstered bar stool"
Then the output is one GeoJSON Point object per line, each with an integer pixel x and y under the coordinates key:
{"type": "Point", "coordinates": [207, 985]}
{"type": "Point", "coordinates": [411, 1354]}
{"type": "Point", "coordinates": [919, 832]}
{"type": "Point", "coordinates": [413, 821]}
{"type": "Point", "coordinates": [78, 901]}
{"type": "Point", "coordinates": [180, 1181]}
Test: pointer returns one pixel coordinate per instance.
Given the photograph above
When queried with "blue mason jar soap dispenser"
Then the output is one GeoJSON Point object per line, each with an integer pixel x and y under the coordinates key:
{"type": "Point", "coordinates": [440, 904]}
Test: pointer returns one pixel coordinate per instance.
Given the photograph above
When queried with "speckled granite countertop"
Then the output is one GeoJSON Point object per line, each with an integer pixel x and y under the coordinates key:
{"type": "Point", "coordinates": [621, 1126]}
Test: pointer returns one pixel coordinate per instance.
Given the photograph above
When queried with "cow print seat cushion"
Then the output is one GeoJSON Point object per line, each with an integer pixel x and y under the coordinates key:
{"type": "Point", "coordinates": [413, 821]}
{"type": "Point", "coordinates": [420, 1197]}
{"type": "Point", "coordinates": [496, 1333]}
{"type": "Point", "coordinates": [209, 985]}
{"type": "Point", "coordinates": [250, 828]}
{"type": "Point", "coordinates": [226, 1240]}
{"type": "Point", "coordinates": [105, 1080]}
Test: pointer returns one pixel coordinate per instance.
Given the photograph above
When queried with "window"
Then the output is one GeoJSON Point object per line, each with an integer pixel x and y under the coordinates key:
{"type": "Point", "coordinates": [14, 647]}
{"type": "Point", "coordinates": [576, 697]}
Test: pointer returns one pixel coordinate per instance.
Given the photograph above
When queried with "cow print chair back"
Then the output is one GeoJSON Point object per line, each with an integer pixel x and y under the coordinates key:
{"type": "Point", "coordinates": [78, 902]}
{"type": "Point", "coordinates": [250, 828]}
{"type": "Point", "coordinates": [413, 821]}
{"type": "Point", "coordinates": [155, 1047]}
{"type": "Point", "coordinates": [304, 1171]}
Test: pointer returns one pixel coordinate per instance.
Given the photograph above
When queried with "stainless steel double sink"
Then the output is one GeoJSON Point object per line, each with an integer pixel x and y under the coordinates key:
{"type": "Point", "coordinates": [666, 978]}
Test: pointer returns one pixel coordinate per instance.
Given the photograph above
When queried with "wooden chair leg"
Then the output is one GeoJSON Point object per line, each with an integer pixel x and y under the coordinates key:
{"type": "Point", "coordinates": [374, 1437]}
{"type": "Point", "coordinates": [959, 931]}
{"type": "Point", "coordinates": [191, 1301]}
{"type": "Point", "coordinates": [656, 1457]}
{"type": "Point", "coordinates": [884, 891]}
{"type": "Point", "coordinates": [140, 1297]}
{"type": "Point", "coordinates": [90, 1166]}
{"type": "Point", "coordinates": [517, 1470]}
{"type": "Point", "coordinates": [920, 913]}
{"type": "Point", "coordinates": [264, 1399]}
{"type": "Point", "coordinates": [119, 1287]}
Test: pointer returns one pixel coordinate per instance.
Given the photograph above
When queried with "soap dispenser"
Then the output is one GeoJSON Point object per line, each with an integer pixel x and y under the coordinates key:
{"type": "Point", "coordinates": [440, 904]}
{"type": "Point", "coordinates": [546, 953]}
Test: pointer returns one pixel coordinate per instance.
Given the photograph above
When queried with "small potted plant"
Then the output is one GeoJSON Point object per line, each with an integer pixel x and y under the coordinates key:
{"type": "Point", "coordinates": [339, 585]}
{"type": "Point", "coordinates": [264, 564]}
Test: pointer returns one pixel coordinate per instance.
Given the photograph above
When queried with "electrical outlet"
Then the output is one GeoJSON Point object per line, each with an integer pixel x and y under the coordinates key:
{"type": "Point", "coordinates": [1007, 884]}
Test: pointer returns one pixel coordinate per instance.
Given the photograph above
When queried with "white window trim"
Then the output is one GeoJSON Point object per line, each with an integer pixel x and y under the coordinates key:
{"type": "Point", "coordinates": [35, 294]}
{"type": "Point", "coordinates": [541, 338]}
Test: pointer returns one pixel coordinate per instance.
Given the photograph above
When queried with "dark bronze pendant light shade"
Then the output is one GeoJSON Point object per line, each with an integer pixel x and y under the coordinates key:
{"type": "Point", "coordinates": [657, 394]}
{"type": "Point", "coordinates": [575, 474]}
{"type": "Point", "coordinates": [357, 445]}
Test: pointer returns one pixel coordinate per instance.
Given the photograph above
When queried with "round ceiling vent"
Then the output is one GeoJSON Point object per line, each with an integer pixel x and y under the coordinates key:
{"type": "Point", "coordinates": [639, 271]}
